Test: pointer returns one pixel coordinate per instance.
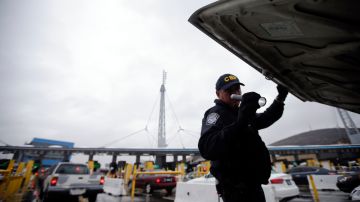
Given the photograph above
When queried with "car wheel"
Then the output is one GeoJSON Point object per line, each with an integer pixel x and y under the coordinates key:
{"type": "Point", "coordinates": [148, 189]}
{"type": "Point", "coordinates": [92, 198]}
{"type": "Point", "coordinates": [169, 191]}
{"type": "Point", "coordinates": [45, 196]}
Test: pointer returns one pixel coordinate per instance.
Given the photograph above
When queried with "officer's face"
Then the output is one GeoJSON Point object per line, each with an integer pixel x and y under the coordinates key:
{"type": "Point", "coordinates": [224, 95]}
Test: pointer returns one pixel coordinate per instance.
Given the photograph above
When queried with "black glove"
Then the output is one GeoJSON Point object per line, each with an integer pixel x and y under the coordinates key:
{"type": "Point", "coordinates": [283, 92]}
{"type": "Point", "coordinates": [249, 105]}
{"type": "Point", "coordinates": [250, 100]}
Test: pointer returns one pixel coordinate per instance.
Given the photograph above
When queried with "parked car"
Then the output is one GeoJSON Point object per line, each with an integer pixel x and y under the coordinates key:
{"type": "Point", "coordinates": [348, 182]}
{"type": "Point", "coordinates": [348, 170]}
{"type": "Point", "coordinates": [299, 174]}
{"type": "Point", "coordinates": [149, 182]}
{"type": "Point", "coordinates": [355, 194]}
{"type": "Point", "coordinates": [283, 185]}
{"type": "Point", "coordinates": [70, 179]}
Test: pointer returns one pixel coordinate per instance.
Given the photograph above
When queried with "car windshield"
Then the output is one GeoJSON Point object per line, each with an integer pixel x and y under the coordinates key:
{"type": "Point", "coordinates": [72, 169]}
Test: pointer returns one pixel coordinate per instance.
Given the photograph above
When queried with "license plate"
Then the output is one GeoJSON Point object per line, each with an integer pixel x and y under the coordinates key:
{"type": "Point", "coordinates": [77, 191]}
{"type": "Point", "coordinates": [288, 182]}
{"type": "Point", "coordinates": [168, 180]}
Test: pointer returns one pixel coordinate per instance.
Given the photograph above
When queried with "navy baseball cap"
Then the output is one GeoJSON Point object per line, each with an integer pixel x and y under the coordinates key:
{"type": "Point", "coordinates": [226, 81]}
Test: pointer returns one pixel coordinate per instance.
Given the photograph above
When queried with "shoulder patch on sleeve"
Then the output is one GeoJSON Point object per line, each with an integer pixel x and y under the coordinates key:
{"type": "Point", "coordinates": [212, 118]}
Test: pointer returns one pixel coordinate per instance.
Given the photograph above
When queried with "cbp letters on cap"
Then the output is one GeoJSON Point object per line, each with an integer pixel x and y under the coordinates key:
{"type": "Point", "coordinates": [230, 78]}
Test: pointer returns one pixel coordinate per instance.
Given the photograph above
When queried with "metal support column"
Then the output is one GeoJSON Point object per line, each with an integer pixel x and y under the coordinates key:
{"type": "Point", "coordinates": [66, 157]}
{"type": "Point", "coordinates": [273, 157]}
{"type": "Point", "coordinates": [114, 156]}
{"type": "Point", "coordinates": [184, 158]}
{"type": "Point", "coordinates": [296, 158]}
{"type": "Point", "coordinates": [18, 156]}
{"type": "Point", "coordinates": [351, 129]}
{"type": "Point", "coordinates": [137, 162]}
{"type": "Point", "coordinates": [91, 157]}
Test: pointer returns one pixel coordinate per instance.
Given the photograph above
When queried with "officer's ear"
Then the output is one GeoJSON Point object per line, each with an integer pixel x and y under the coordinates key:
{"type": "Point", "coordinates": [217, 93]}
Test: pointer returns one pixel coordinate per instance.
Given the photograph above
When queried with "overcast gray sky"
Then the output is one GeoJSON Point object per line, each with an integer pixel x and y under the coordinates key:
{"type": "Point", "coordinates": [89, 72]}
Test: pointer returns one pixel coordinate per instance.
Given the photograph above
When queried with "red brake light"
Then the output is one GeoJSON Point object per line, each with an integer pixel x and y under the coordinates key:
{"type": "Point", "coordinates": [53, 181]}
{"type": "Point", "coordinates": [102, 180]}
{"type": "Point", "coordinates": [157, 180]}
{"type": "Point", "coordinates": [277, 181]}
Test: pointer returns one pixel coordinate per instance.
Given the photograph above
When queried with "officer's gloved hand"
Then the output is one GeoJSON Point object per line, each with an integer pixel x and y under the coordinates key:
{"type": "Point", "coordinates": [249, 105]}
{"type": "Point", "coordinates": [283, 92]}
{"type": "Point", "coordinates": [250, 101]}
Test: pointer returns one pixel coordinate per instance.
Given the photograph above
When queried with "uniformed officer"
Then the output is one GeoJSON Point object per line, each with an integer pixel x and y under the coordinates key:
{"type": "Point", "coordinates": [229, 138]}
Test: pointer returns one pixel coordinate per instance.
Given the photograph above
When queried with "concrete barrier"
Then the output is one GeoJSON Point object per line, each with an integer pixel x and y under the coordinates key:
{"type": "Point", "coordinates": [205, 191]}
{"type": "Point", "coordinates": [114, 186]}
{"type": "Point", "coordinates": [325, 182]}
{"type": "Point", "coordinates": [186, 192]}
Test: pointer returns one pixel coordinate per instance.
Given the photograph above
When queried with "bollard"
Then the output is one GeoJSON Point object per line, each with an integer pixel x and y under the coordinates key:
{"type": "Point", "coordinates": [316, 194]}
{"type": "Point", "coordinates": [133, 182]}
{"type": "Point", "coordinates": [27, 175]}
{"type": "Point", "coordinates": [11, 165]}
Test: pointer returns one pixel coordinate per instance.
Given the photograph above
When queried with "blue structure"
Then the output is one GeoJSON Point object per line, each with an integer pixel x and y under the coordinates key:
{"type": "Point", "coordinates": [49, 158]}
{"type": "Point", "coordinates": [40, 142]}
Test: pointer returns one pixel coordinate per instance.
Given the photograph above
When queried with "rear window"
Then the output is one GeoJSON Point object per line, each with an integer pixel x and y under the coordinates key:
{"type": "Point", "coordinates": [310, 169]}
{"type": "Point", "coordinates": [296, 169]}
{"type": "Point", "coordinates": [72, 169]}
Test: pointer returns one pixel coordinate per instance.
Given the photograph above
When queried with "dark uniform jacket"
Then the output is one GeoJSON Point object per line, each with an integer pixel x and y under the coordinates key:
{"type": "Point", "coordinates": [237, 153]}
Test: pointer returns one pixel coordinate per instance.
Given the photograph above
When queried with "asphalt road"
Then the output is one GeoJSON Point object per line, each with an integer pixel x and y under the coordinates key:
{"type": "Point", "coordinates": [158, 196]}
{"type": "Point", "coordinates": [324, 196]}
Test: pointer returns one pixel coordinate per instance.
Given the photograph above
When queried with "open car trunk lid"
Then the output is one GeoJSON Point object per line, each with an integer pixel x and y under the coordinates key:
{"type": "Point", "coordinates": [310, 46]}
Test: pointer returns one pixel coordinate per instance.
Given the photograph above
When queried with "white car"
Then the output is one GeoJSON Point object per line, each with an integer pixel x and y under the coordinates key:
{"type": "Point", "coordinates": [70, 179]}
{"type": "Point", "coordinates": [355, 194]}
{"type": "Point", "coordinates": [283, 185]}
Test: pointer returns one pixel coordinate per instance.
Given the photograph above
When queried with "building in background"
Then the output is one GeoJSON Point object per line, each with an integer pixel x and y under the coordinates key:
{"type": "Point", "coordinates": [49, 158]}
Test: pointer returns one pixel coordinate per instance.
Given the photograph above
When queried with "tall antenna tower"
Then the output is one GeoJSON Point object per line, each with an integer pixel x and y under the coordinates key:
{"type": "Point", "coordinates": [160, 160]}
{"type": "Point", "coordinates": [351, 130]}
{"type": "Point", "coordinates": [161, 129]}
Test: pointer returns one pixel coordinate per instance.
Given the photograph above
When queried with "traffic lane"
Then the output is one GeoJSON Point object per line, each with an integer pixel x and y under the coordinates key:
{"type": "Point", "coordinates": [325, 196]}
{"type": "Point", "coordinates": [141, 197]}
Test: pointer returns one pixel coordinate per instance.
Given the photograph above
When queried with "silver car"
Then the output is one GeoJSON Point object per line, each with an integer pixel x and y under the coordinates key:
{"type": "Point", "coordinates": [70, 179]}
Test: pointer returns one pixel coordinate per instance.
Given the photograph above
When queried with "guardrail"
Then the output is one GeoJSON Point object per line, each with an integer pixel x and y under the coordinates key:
{"type": "Point", "coordinates": [15, 184]}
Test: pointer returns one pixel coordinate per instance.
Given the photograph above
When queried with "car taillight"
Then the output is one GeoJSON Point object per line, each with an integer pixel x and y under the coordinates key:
{"type": "Point", "coordinates": [102, 180]}
{"type": "Point", "coordinates": [53, 181]}
{"type": "Point", "coordinates": [157, 180]}
{"type": "Point", "coordinates": [277, 181]}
